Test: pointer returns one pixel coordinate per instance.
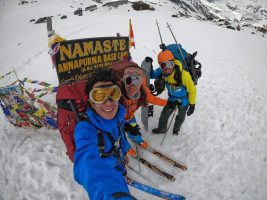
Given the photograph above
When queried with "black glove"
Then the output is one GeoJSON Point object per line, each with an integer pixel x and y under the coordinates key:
{"type": "Point", "coordinates": [149, 59]}
{"type": "Point", "coordinates": [133, 130]}
{"type": "Point", "coordinates": [162, 46]}
{"type": "Point", "coordinates": [191, 109]}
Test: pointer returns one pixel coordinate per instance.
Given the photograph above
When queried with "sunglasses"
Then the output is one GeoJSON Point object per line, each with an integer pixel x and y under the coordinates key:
{"type": "Point", "coordinates": [101, 94]}
{"type": "Point", "coordinates": [167, 65]}
{"type": "Point", "coordinates": [134, 79]}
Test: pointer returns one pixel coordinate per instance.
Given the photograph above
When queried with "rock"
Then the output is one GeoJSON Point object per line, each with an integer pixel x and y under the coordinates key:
{"type": "Point", "coordinates": [78, 12]}
{"type": "Point", "coordinates": [230, 27]}
{"type": "Point", "coordinates": [91, 8]}
{"type": "Point", "coordinates": [116, 4]}
{"type": "Point", "coordinates": [41, 20]}
{"type": "Point", "coordinates": [226, 23]}
{"type": "Point", "coordinates": [63, 17]}
{"type": "Point", "coordinates": [23, 2]}
{"type": "Point", "coordinates": [139, 5]}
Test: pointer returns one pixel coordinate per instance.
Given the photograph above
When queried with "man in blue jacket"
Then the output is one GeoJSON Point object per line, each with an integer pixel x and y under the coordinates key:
{"type": "Point", "coordinates": [101, 145]}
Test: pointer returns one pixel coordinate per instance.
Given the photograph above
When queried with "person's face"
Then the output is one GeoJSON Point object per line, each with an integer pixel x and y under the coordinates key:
{"type": "Point", "coordinates": [109, 108]}
{"type": "Point", "coordinates": [133, 78]}
{"type": "Point", "coordinates": [167, 67]}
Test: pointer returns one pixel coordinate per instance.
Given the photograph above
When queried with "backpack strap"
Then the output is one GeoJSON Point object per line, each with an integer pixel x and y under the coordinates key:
{"type": "Point", "coordinates": [101, 145]}
{"type": "Point", "coordinates": [73, 110]}
{"type": "Point", "coordinates": [101, 141]}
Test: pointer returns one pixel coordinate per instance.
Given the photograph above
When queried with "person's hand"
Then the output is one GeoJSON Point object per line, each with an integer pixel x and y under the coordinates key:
{"type": "Point", "coordinates": [133, 130]}
{"type": "Point", "coordinates": [149, 59]}
{"type": "Point", "coordinates": [162, 46]}
{"type": "Point", "coordinates": [191, 109]}
{"type": "Point", "coordinates": [132, 153]}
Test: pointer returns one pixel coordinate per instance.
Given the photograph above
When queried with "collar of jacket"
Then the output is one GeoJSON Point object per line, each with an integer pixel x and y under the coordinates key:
{"type": "Point", "coordinates": [170, 78]}
{"type": "Point", "coordinates": [104, 124]}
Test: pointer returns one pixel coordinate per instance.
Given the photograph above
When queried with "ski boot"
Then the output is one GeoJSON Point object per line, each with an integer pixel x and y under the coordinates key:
{"type": "Point", "coordinates": [175, 132]}
{"type": "Point", "coordinates": [158, 131]}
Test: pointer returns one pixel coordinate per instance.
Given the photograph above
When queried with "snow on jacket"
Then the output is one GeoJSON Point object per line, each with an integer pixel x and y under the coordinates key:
{"type": "Point", "coordinates": [131, 105]}
{"type": "Point", "coordinates": [101, 177]}
{"type": "Point", "coordinates": [186, 92]}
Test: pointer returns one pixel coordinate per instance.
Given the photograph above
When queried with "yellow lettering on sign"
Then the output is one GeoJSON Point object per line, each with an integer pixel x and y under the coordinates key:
{"type": "Point", "coordinates": [122, 45]}
{"type": "Point", "coordinates": [65, 52]}
{"type": "Point", "coordinates": [77, 52]}
{"type": "Point", "coordinates": [115, 45]}
{"type": "Point", "coordinates": [107, 46]}
{"type": "Point", "coordinates": [88, 48]}
{"type": "Point", "coordinates": [60, 68]}
{"type": "Point", "coordinates": [98, 47]}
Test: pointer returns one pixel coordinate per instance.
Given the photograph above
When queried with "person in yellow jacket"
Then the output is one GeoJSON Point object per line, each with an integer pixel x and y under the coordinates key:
{"type": "Point", "coordinates": [181, 91]}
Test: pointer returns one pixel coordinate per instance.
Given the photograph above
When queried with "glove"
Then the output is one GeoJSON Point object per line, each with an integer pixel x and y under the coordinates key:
{"type": "Point", "coordinates": [162, 46]}
{"type": "Point", "coordinates": [149, 59]}
{"type": "Point", "coordinates": [144, 144]}
{"type": "Point", "coordinates": [133, 130]}
{"type": "Point", "coordinates": [191, 109]}
{"type": "Point", "coordinates": [172, 104]}
{"type": "Point", "coordinates": [132, 153]}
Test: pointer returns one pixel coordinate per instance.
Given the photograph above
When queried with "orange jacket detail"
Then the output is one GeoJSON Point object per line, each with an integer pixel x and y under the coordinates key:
{"type": "Point", "coordinates": [131, 105]}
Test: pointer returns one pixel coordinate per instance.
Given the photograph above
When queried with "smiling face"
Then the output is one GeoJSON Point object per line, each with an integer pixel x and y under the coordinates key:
{"type": "Point", "coordinates": [133, 78]}
{"type": "Point", "coordinates": [109, 108]}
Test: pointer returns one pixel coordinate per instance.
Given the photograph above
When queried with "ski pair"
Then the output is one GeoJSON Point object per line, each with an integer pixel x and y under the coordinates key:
{"type": "Point", "coordinates": [152, 190]}
{"type": "Point", "coordinates": [156, 169]}
{"type": "Point", "coordinates": [166, 158]}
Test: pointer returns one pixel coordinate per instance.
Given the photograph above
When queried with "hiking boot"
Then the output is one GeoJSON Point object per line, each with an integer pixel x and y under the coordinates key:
{"type": "Point", "coordinates": [144, 144]}
{"type": "Point", "coordinates": [175, 132]}
{"type": "Point", "coordinates": [158, 131]}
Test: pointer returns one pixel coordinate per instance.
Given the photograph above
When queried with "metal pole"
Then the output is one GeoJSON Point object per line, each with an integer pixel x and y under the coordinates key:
{"type": "Point", "coordinates": [180, 51]}
{"type": "Point", "coordinates": [137, 152]}
{"type": "Point", "coordinates": [159, 31]}
{"type": "Point", "coordinates": [50, 30]}
{"type": "Point", "coordinates": [141, 175]}
{"type": "Point", "coordinates": [169, 125]}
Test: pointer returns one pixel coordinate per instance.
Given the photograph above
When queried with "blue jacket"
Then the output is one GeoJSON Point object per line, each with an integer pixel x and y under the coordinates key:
{"type": "Point", "coordinates": [101, 177]}
{"type": "Point", "coordinates": [185, 93]}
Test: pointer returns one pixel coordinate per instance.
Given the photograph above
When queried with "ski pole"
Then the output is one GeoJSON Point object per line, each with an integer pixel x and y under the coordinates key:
{"type": "Point", "coordinates": [169, 125]}
{"type": "Point", "coordinates": [162, 45]}
{"type": "Point", "coordinates": [137, 152]}
{"type": "Point", "coordinates": [141, 175]}
{"type": "Point", "coordinates": [180, 51]}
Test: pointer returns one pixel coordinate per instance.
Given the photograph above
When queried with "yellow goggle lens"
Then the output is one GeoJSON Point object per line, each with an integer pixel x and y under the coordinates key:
{"type": "Point", "coordinates": [101, 94]}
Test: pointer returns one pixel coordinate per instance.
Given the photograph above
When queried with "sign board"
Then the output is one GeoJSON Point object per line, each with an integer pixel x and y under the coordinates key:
{"type": "Point", "coordinates": [76, 59]}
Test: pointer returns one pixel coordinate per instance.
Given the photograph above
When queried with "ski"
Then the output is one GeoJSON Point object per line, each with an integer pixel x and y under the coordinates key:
{"type": "Point", "coordinates": [155, 169]}
{"type": "Point", "coordinates": [173, 162]}
{"type": "Point", "coordinates": [141, 175]}
{"type": "Point", "coordinates": [152, 190]}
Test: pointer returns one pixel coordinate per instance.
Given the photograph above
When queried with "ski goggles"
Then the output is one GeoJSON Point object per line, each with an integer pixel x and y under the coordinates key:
{"type": "Point", "coordinates": [169, 64]}
{"type": "Point", "coordinates": [133, 79]}
{"type": "Point", "coordinates": [101, 94]}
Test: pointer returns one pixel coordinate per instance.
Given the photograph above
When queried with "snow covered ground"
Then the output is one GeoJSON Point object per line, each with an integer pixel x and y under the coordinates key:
{"type": "Point", "coordinates": [224, 143]}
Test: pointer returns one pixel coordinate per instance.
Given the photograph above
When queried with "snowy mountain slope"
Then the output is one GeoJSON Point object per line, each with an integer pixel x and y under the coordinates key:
{"type": "Point", "coordinates": [223, 143]}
